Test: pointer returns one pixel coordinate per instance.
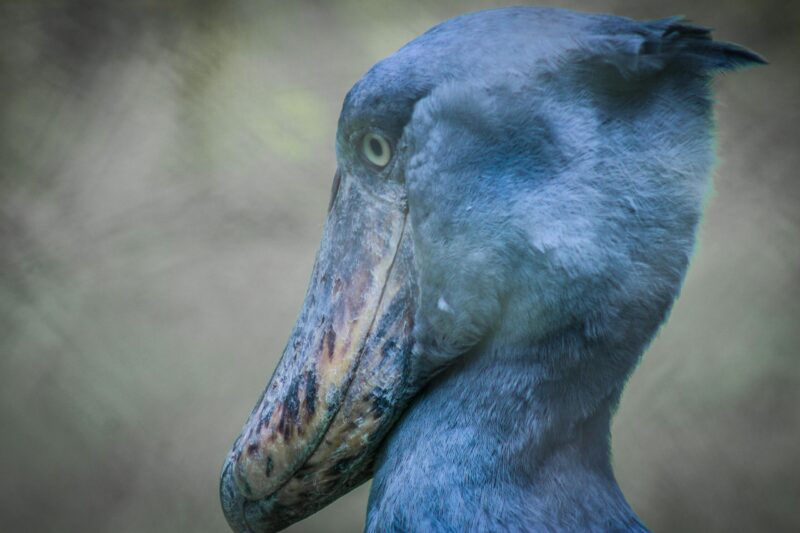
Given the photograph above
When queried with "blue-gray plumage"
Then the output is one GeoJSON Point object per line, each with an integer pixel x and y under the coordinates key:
{"type": "Point", "coordinates": [542, 174]}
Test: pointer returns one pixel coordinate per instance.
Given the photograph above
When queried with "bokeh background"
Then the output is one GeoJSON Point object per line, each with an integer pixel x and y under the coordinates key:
{"type": "Point", "coordinates": [164, 174]}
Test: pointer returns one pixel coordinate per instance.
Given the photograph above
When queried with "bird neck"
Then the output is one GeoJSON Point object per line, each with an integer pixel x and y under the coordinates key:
{"type": "Point", "coordinates": [503, 442]}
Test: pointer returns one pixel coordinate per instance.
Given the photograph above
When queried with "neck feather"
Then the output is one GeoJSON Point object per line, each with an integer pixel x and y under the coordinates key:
{"type": "Point", "coordinates": [502, 441]}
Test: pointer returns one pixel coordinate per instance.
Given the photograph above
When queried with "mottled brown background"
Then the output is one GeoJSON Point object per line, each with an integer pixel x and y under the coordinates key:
{"type": "Point", "coordinates": [164, 173]}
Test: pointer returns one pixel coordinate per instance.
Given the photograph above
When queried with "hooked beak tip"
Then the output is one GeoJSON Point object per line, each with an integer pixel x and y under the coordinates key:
{"type": "Point", "coordinates": [231, 499]}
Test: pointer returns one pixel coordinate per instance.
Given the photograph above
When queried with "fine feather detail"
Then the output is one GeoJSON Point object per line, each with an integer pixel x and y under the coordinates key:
{"type": "Point", "coordinates": [651, 46]}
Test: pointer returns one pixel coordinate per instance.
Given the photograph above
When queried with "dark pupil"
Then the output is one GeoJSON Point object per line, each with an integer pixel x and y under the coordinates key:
{"type": "Point", "coordinates": [376, 147]}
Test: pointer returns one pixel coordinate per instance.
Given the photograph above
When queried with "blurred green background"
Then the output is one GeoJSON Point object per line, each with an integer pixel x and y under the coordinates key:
{"type": "Point", "coordinates": [164, 174]}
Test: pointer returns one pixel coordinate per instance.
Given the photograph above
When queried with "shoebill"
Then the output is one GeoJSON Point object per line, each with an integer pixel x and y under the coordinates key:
{"type": "Point", "coordinates": [515, 205]}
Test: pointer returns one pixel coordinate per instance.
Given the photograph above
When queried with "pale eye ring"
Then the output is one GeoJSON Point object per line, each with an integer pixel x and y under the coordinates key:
{"type": "Point", "coordinates": [375, 148]}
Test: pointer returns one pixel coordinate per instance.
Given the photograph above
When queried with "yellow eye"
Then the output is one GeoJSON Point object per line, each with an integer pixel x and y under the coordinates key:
{"type": "Point", "coordinates": [375, 149]}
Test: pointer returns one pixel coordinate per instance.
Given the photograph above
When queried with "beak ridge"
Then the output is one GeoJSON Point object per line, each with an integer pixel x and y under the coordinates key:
{"type": "Point", "coordinates": [342, 379]}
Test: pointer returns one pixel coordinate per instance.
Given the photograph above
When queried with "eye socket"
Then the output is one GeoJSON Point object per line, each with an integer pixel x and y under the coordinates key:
{"type": "Point", "coordinates": [376, 149]}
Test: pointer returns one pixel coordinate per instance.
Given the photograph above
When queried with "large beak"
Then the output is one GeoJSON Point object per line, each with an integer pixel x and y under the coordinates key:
{"type": "Point", "coordinates": [343, 377]}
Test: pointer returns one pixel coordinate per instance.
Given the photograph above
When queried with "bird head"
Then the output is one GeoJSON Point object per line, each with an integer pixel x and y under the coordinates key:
{"type": "Point", "coordinates": [508, 175]}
